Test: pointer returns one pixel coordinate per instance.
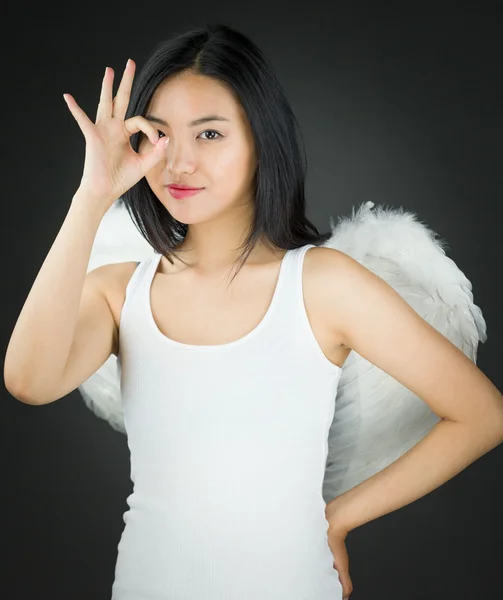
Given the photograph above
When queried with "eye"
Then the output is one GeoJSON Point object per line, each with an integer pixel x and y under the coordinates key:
{"type": "Point", "coordinates": [211, 131]}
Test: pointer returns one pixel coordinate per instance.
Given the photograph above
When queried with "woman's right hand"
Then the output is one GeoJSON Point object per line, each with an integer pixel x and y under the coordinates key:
{"type": "Point", "coordinates": [111, 165]}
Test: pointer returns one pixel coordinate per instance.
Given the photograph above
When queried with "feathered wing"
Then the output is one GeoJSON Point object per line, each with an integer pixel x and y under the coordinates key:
{"type": "Point", "coordinates": [376, 419]}
{"type": "Point", "coordinates": [117, 240]}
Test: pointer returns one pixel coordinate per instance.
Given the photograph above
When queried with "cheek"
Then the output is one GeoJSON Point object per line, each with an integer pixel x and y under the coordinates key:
{"type": "Point", "coordinates": [231, 164]}
{"type": "Point", "coordinates": [154, 176]}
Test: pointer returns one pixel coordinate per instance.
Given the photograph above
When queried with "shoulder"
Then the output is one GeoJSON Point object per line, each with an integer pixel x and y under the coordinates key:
{"type": "Point", "coordinates": [113, 279]}
{"type": "Point", "coordinates": [322, 276]}
{"type": "Point", "coordinates": [358, 304]}
{"type": "Point", "coordinates": [336, 281]}
{"type": "Point", "coordinates": [323, 257]}
{"type": "Point", "coordinates": [329, 267]}
{"type": "Point", "coordinates": [112, 274]}
{"type": "Point", "coordinates": [333, 267]}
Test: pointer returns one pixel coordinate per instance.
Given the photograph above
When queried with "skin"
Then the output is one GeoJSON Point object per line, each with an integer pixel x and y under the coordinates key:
{"type": "Point", "coordinates": [224, 163]}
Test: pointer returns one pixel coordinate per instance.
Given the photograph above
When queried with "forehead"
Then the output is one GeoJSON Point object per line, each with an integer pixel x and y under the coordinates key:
{"type": "Point", "coordinates": [188, 94]}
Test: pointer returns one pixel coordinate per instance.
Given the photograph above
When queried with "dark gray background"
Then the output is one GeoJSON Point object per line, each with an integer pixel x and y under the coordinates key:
{"type": "Point", "coordinates": [398, 105]}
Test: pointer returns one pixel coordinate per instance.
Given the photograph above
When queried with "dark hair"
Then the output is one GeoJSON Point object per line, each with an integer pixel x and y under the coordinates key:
{"type": "Point", "coordinates": [220, 52]}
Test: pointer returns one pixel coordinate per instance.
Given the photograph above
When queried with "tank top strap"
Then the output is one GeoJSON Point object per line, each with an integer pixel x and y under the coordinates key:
{"type": "Point", "coordinates": [140, 274]}
{"type": "Point", "coordinates": [137, 287]}
{"type": "Point", "coordinates": [291, 320]}
{"type": "Point", "coordinates": [290, 293]}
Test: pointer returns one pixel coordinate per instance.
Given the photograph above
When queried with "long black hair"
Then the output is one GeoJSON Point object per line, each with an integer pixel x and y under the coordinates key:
{"type": "Point", "coordinates": [220, 52]}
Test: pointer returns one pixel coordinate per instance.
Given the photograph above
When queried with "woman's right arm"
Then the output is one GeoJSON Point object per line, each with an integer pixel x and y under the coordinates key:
{"type": "Point", "coordinates": [63, 301]}
{"type": "Point", "coordinates": [65, 330]}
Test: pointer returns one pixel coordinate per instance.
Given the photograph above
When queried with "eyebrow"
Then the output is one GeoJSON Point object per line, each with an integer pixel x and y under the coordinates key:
{"type": "Point", "coordinates": [192, 123]}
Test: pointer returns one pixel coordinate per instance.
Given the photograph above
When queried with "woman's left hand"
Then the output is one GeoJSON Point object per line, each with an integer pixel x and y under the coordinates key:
{"type": "Point", "coordinates": [337, 534]}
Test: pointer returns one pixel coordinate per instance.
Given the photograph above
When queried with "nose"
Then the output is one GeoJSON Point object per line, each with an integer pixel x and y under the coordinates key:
{"type": "Point", "coordinates": [179, 157]}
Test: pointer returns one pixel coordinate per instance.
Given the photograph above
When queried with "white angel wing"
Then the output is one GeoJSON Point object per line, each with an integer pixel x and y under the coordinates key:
{"type": "Point", "coordinates": [377, 419]}
{"type": "Point", "coordinates": [117, 240]}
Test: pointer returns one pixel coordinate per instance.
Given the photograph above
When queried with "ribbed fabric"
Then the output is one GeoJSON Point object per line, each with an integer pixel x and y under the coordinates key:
{"type": "Point", "coordinates": [228, 450]}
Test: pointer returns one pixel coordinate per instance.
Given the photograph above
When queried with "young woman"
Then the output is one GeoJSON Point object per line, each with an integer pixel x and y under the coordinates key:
{"type": "Point", "coordinates": [233, 336]}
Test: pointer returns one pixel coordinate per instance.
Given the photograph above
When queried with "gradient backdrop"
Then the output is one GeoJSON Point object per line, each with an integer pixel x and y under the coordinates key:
{"type": "Point", "coordinates": [398, 105]}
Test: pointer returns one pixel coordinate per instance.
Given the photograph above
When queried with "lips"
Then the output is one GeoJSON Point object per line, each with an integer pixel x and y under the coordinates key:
{"type": "Point", "coordinates": [180, 194]}
{"type": "Point", "coordinates": [182, 187]}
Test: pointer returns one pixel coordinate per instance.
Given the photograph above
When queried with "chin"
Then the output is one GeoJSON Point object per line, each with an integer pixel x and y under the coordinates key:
{"type": "Point", "coordinates": [190, 214]}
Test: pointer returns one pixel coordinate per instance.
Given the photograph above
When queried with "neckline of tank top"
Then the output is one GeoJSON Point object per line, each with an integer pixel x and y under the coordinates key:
{"type": "Point", "coordinates": [213, 347]}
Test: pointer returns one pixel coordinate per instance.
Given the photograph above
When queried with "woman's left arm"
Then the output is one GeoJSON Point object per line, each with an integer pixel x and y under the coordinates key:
{"type": "Point", "coordinates": [372, 319]}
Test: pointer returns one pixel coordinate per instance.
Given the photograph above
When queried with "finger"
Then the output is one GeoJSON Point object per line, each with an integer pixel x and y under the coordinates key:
{"type": "Point", "coordinates": [347, 585]}
{"type": "Point", "coordinates": [151, 158]}
{"type": "Point", "coordinates": [105, 104]}
{"type": "Point", "coordinates": [139, 123]}
{"type": "Point", "coordinates": [79, 115]}
{"type": "Point", "coordinates": [121, 100]}
{"type": "Point", "coordinates": [341, 565]}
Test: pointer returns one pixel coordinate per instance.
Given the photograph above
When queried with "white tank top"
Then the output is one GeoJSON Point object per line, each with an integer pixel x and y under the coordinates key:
{"type": "Point", "coordinates": [228, 448]}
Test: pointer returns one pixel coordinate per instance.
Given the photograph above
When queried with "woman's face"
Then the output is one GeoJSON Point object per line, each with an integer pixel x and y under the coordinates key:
{"type": "Point", "coordinates": [217, 155]}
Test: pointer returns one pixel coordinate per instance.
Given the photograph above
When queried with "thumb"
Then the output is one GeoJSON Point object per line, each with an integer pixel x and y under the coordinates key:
{"type": "Point", "coordinates": [150, 159]}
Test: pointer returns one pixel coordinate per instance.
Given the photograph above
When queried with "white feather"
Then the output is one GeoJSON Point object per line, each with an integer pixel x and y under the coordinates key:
{"type": "Point", "coordinates": [377, 419]}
